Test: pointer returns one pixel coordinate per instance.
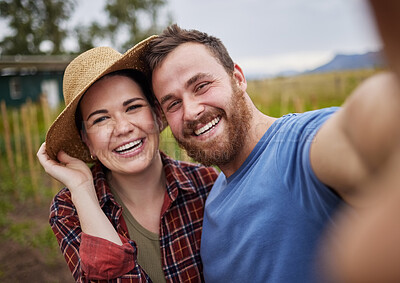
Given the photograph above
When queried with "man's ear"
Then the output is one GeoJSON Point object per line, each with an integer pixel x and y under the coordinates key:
{"type": "Point", "coordinates": [239, 77]}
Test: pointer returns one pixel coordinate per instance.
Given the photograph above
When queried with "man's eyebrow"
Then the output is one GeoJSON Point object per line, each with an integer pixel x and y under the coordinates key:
{"type": "Point", "coordinates": [195, 78]}
{"type": "Point", "coordinates": [189, 82]}
{"type": "Point", "coordinates": [166, 98]}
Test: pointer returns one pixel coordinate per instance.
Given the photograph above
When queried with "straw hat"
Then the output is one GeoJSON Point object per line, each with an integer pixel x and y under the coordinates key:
{"type": "Point", "coordinates": [79, 75]}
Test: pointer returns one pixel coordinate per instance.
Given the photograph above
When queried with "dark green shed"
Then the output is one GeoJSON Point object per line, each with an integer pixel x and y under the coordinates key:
{"type": "Point", "coordinates": [23, 77]}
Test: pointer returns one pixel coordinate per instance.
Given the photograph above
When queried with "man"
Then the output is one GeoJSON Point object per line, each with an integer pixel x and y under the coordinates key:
{"type": "Point", "coordinates": [282, 179]}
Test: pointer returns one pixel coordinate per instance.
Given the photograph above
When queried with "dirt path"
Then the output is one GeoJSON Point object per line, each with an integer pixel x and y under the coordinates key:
{"type": "Point", "coordinates": [21, 262]}
{"type": "Point", "coordinates": [25, 264]}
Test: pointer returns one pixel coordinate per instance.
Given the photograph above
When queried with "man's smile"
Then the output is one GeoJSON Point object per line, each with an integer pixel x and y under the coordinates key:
{"type": "Point", "coordinates": [209, 126]}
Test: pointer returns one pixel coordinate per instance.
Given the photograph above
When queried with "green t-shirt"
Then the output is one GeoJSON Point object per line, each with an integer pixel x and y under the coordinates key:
{"type": "Point", "coordinates": [147, 242]}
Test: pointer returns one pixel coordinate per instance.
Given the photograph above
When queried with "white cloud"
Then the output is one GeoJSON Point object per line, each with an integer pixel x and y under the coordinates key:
{"type": "Point", "coordinates": [283, 62]}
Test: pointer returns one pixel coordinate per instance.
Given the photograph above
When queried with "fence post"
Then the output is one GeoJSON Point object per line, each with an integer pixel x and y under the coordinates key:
{"type": "Point", "coordinates": [34, 129]}
{"type": "Point", "coordinates": [7, 140]}
{"type": "Point", "coordinates": [29, 151]}
{"type": "Point", "coordinates": [17, 139]}
{"type": "Point", "coordinates": [55, 185]}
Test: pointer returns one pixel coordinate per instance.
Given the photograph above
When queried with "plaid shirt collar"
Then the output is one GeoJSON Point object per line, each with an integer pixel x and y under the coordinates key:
{"type": "Point", "coordinates": [175, 177]}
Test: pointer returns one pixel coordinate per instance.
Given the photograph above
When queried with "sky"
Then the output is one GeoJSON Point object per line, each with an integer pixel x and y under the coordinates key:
{"type": "Point", "coordinates": [269, 36]}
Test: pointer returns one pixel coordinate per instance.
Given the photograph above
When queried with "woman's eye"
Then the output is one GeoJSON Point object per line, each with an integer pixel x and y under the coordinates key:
{"type": "Point", "coordinates": [100, 119]}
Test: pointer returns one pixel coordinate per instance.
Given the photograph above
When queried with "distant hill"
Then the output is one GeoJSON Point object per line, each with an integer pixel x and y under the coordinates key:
{"type": "Point", "coordinates": [349, 62]}
{"type": "Point", "coordinates": [340, 62]}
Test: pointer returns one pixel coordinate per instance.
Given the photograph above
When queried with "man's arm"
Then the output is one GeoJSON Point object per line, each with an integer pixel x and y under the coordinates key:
{"type": "Point", "coordinates": [358, 140]}
{"type": "Point", "coordinates": [364, 245]}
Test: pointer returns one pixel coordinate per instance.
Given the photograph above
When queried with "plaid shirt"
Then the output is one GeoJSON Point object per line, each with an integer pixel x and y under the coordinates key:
{"type": "Point", "coordinates": [181, 222]}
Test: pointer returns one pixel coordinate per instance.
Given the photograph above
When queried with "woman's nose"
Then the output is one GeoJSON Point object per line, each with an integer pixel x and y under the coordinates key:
{"type": "Point", "coordinates": [122, 126]}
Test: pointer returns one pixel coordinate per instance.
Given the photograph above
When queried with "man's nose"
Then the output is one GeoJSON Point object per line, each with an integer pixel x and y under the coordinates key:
{"type": "Point", "coordinates": [192, 109]}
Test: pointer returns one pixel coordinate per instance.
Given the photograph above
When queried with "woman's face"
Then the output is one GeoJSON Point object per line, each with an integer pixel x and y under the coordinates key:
{"type": "Point", "coordinates": [121, 127]}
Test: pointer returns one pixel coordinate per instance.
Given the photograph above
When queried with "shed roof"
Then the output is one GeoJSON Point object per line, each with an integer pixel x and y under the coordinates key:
{"type": "Point", "coordinates": [33, 63]}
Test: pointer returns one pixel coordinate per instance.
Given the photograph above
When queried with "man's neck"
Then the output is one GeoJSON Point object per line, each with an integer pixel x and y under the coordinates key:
{"type": "Point", "coordinates": [259, 124]}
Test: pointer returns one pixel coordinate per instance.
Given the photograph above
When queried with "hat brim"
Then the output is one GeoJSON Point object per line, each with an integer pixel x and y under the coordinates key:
{"type": "Point", "coordinates": [63, 134]}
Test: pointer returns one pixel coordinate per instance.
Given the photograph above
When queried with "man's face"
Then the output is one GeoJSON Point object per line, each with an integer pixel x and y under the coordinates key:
{"type": "Point", "coordinates": [203, 104]}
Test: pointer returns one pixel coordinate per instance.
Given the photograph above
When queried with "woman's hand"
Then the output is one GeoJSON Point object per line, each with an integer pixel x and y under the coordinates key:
{"type": "Point", "coordinates": [77, 177]}
{"type": "Point", "coordinates": [72, 172]}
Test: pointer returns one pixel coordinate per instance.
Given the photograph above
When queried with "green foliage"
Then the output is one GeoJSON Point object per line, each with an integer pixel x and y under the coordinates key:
{"type": "Point", "coordinates": [135, 18]}
{"type": "Point", "coordinates": [32, 22]}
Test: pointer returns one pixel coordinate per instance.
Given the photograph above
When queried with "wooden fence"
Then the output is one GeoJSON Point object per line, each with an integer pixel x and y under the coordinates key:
{"type": "Point", "coordinates": [23, 130]}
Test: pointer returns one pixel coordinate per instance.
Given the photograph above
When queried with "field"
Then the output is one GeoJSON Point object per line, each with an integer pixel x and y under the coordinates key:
{"type": "Point", "coordinates": [28, 249]}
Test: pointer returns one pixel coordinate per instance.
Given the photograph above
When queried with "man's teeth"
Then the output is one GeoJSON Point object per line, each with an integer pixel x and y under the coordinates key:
{"type": "Point", "coordinates": [128, 146]}
{"type": "Point", "coordinates": [207, 127]}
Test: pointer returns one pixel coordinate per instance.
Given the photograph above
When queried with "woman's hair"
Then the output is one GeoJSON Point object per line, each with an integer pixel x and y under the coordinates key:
{"type": "Point", "coordinates": [136, 76]}
{"type": "Point", "coordinates": [173, 36]}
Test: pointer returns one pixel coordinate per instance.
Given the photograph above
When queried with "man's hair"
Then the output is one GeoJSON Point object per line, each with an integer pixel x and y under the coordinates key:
{"type": "Point", "coordinates": [173, 36]}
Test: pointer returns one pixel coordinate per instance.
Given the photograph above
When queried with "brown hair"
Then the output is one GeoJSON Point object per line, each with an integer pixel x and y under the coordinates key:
{"type": "Point", "coordinates": [173, 36]}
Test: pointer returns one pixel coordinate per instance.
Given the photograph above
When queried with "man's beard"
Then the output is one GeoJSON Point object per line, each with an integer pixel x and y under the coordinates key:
{"type": "Point", "coordinates": [225, 149]}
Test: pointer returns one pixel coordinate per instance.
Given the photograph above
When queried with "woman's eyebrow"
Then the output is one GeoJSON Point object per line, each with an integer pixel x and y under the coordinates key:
{"type": "Point", "coordinates": [129, 101]}
{"type": "Point", "coordinates": [100, 111]}
{"type": "Point", "coordinates": [104, 111]}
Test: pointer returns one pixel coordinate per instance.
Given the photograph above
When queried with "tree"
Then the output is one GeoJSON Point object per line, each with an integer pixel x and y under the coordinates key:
{"type": "Point", "coordinates": [129, 21]}
{"type": "Point", "coordinates": [37, 23]}
{"type": "Point", "coordinates": [34, 22]}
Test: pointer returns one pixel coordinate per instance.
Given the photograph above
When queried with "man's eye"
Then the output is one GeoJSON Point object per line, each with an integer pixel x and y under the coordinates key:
{"type": "Point", "coordinates": [201, 86]}
{"type": "Point", "coordinates": [173, 106]}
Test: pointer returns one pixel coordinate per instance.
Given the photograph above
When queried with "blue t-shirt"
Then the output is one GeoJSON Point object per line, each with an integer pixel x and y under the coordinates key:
{"type": "Point", "coordinates": [263, 223]}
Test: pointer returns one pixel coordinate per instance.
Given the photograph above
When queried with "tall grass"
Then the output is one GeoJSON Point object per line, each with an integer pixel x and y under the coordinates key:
{"type": "Point", "coordinates": [282, 95]}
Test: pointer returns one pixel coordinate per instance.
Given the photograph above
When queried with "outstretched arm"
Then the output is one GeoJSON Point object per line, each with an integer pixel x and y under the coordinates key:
{"type": "Point", "coordinates": [354, 145]}
{"type": "Point", "coordinates": [364, 245]}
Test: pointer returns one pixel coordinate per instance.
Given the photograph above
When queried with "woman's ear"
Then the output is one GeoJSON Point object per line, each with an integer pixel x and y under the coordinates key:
{"type": "Point", "coordinates": [160, 117]}
{"type": "Point", "coordinates": [87, 142]}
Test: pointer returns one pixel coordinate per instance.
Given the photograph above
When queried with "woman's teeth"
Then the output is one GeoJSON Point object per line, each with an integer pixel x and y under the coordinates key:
{"type": "Point", "coordinates": [129, 146]}
{"type": "Point", "coordinates": [207, 127]}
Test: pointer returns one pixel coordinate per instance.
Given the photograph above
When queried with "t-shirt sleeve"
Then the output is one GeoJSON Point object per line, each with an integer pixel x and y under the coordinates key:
{"type": "Point", "coordinates": [293, 159]}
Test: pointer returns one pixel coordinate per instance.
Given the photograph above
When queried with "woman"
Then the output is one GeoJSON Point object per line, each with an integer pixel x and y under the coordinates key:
{"type": "Point", "coordinates": [136, 215]}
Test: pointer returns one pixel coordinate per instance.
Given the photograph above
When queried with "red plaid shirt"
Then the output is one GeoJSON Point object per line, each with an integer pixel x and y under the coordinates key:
{"type": "Point", "coordinates": [91, 258]}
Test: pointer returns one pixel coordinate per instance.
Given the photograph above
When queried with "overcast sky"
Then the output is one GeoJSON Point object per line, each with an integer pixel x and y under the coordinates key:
{"type": "Point", "coordinates": [268, 36]}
